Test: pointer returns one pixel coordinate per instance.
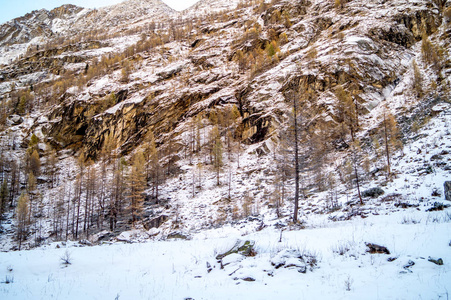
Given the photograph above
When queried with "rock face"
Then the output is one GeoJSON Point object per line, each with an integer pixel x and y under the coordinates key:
{"type": "Point", "coordinates": [447, 187]}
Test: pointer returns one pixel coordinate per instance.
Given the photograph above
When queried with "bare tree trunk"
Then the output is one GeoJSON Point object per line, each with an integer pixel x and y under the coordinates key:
{"type": "Point", "coordinates": [296, 160]}
{"type": "Point", "coordinates": [387, 151]}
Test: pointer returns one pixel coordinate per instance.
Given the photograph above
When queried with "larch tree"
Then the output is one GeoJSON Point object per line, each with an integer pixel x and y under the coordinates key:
{"type": "Point", "coordinates": [3, 196]}
{"type": "Point", "coordinates": [51, 167]}
{"type": "Point", "coordinates": [347, 111]}
{"type": "Point", "coordinates": [22, 218]}
{"type": "Point", "coordinates": [153, 164]}
{"type": "Point", "coordinates": [356, 160]}
{"type": "Point", "coordinates": [215, 139]}
{"type": "Point", "coordinates": [390, 134]}
{"type": "Point", "coordinates": [31, 188]}
{"type": "Point", "coordinates": [35, 163]}
{"type": "Point", "coordinates": [292, 138]}
{"type": "Point", "coordinates": [117, 191]}
{"type": "Point", "coordinates": [137, 184]}
{"type": "Point", "coordinates": [417, 80]}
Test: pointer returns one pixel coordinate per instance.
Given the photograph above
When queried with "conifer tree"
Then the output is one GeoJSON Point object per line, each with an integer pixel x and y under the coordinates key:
{"type": "Point", "coordinates": [3, 196]}
{"type": "Point", "coordinates": [390, 136]}
{"type": "Point", "coordinates": [22, 218]}
{"type": "Point", "coordinates": [153, 164]}
{"type": "Point", "coordinates": [35, 163]}
{"type": "Point", "coordinates": [417, 80]}
{"type": "Point", "coordinates": [216, 151]}
{"type": "Point", "coordinates": [137, 184]}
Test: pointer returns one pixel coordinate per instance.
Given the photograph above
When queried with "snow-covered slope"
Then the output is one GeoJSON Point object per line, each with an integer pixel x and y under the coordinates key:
{"type": "Point", "coordinates": [180, 269]}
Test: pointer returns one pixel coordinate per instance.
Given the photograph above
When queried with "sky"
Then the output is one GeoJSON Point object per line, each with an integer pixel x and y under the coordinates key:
{"type": "Point", "coordinates": [13, 9]}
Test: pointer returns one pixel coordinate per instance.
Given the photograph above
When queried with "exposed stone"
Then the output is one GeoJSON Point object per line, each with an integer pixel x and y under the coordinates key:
{"type": "Point", "coordinates": [250, 279]}
{"type": "Point", "coordinates": [170, 71]}
{"type": "Point", "coordinates": [447, 187]}
{"type": "Point", "coordinates": [178, 235]}
{"type": "Point", "coordinates": [245, 248]}
{"type": "Point", "coordinates": [409, 264]}
{"type": "Point", "coordinates": [155, 222]}
{"type": "Point", "coordinates": [291, 258]}
{"type": "Point", "coordinates": [85, 243]}
{"type": "Point", "coordinates": [233, 258]}
{"type": "Point", "coordinates": [15, 120]}
{"type": "Point", "coordinates": [374, 248]}
{"type": "Point", "coordinates": [437, 261]}
{"type": "Point", "coordinates": [391, 259]}
{"type": "Point", "coordinates": [373, 192]}
{"type": "Point", "coordinates": [438, 206]}
{"type": "Point", "coordinates": [405, 205]}
{"type": "Point", "coordinates": [209, 268]}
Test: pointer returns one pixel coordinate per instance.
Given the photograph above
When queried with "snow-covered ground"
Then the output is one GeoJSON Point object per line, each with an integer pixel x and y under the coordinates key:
{"type": "Point", "coordinates": [178, 269]}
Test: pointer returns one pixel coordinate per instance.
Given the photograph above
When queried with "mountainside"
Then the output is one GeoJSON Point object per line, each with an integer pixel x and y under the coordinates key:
{"type": "Point", "coordinates": [135, 122]}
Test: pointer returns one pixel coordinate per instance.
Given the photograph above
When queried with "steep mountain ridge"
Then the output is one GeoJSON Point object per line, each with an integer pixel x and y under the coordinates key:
{"type": "Point", "coordinates": [69, 19]}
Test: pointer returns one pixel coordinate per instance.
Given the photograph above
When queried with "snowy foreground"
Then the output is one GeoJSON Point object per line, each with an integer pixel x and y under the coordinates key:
{"type": "Point", "coordinates": [177, 269]}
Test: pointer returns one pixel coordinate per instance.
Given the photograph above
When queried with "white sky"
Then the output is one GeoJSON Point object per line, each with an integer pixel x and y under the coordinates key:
{"type": "Point", "coordinates": [11, 9]}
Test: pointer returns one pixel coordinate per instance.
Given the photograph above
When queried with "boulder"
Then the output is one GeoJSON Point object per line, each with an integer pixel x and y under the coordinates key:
{"type": "Point", "coordinates": [293, 259]}
{"type": "Point", "coordinates": [249, 279]}
{"type": "Point", "coordinates": [177, 235]}
{"type": "Point", "coordinates": [373, 192]}
{"type": "Point", "coordinates": [374, 248]}
{"type": "Point", "coordinates": [438, 206]}
{"type": "Point", "coordinates": [170, 71]}
{"type": "Point", "coordinates": [409, 264]}
{"type": "Point", "coordinates": [437, 261]}
{"type": "Point", "coordinates": [16, 120]}
{"type": "Point", "coordinates": [447, 187]}
{"type": "Point", "coordinates": [245, 248]}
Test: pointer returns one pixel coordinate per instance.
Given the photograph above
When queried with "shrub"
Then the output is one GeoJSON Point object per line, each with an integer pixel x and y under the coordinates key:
{"type": "Point", "coordinates": [66, 259]}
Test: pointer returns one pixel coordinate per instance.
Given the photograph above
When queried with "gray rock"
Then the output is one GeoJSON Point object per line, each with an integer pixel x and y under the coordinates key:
{"type": "Point", "coordinates": [407, 266]}
{"type": "Point", "coordinates": [16, 120]}
{"type": "Point", "coordinates": [250, 279]}
{"type": "Point", "coordinates": [373, 192]}
{"type": "Point", "coordinates": [170, 71]}
{"type": "Point", "coordinates": [245, 248]}
{"type": "Point", "coordinates": [374, 248]}
{"type": "Point", "coordinates": [437, 261]}
{"type": "Point", "coordinates": [177, 235]}
{"type": "Point", "coordinates": [291, 258]}
{"type": "Point", "coordinates": [447, 186]}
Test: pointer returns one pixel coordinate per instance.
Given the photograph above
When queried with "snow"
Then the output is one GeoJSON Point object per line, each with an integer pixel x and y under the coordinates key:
{"type": "Point", "coordinates": [178, 269]}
